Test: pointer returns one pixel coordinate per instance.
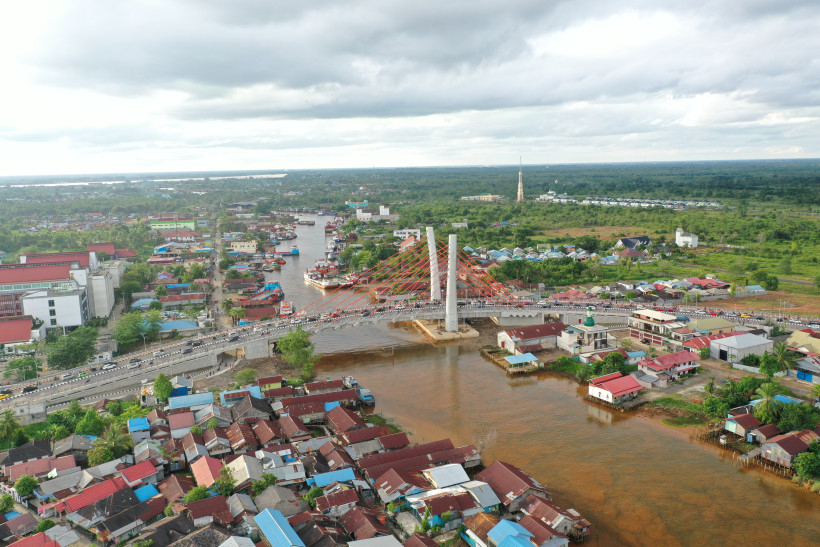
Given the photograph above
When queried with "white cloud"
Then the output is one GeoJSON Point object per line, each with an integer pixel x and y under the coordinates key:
{"type": "Point", "coordinates": [104, 86]}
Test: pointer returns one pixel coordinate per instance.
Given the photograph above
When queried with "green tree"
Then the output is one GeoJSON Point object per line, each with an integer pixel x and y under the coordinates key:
{"type": "Point", "coordinates": [784, 358]}
{"type": "Point", "coordinates": [169, 510]}
{"type": "Point", "coordinates": [212, 423]}
{"type": "Point", "coordinates": [91, 424]}
{"type": "Point", "coordinates": [807, 464]}
{"type": "Point", "coordinates": [225, 483]}
{"type": "Point", "coordinates": [768, 409]}
{"type": "Point", "coordinates": [114, 408]}
{"type": "Point", "coordinates": [786, 265]}
{"type": "Point", "coordinates": [24, 368]}
{"type": "Point", "coordinates": [227, 305]}
{"type": "Point", "coordinates": [267, 480]}
{"type": "Point", "coordinates": [245, 376]}
{"type": "Point", "coordinates": [128, 288]}
{"type": "Point", "coordinates": [9, 426]}
{"type": "Point", "coordinates": [155, 305]}
{"type": "Point", "coordinates": [298, 350]}
{"type": "Point", "coordinates": [716, 408]}
{"type": "Point", "coordinates": [796, 418]}
{"type": "Point", "coordinates": [129, 329]}
{"type": "Point", "coordinates": [25, 485]}
{"type": "Point", "coordinates": [116, 440]}
{"type": "Point", "coordinates": [197, 493]}
{"type": "Point", "coordinates": [768, 364]}
{"type": "Point", "coordinates": [162, 387]}
{"type": "Point", "coordinates": [709, 387]}
{"type": "Point", "coordinates": [153, 323]}
{"type": "Point", "coordinates": [237, 313]}
{"type": "Point", "coordinates": [98, 456]}
{"type": "Point", "coordinates": [817, 283]}
{"type": "Point", "coordinates": [161, 291]}
{"type": "Point", "coordinates": [144, 543]}
{"type": "Point", "coordinates": [705, 352]}
{"type": "Point", "coordinates": [312, 494]}
{"type": "Point", "coordinates": [74, 349]}
{"type": "Point", "coordinates": [771, 283]}
{"type": "Point", "coordinates": [196, 430]}
{"type": "Point", "coordinates": [6, 503]}
{"type": "Point", "coordinates": [44, 525]}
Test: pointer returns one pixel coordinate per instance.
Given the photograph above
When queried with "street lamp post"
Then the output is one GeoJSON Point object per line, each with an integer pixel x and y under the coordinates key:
{"type": "Point", "coordinates": [144, 348]}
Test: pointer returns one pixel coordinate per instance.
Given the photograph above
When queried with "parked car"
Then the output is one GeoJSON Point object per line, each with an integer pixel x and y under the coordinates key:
{"type": "Point", "coordinates": [109, 366]}
{"type": "Point", "coordinates": [197, 343]}
{"type": "Point", "coordinates": [29, 389]}
{"type": "Point", "coordinates": [234, 338]}
{"type": "Point", "coordinates": [187, 350]}
{"type": "Point", "coordinates": [6, 392]}
{"type": "Point", "coordinates": [135, 360]}
{"type": "Point", "coordinates": [4, 396]}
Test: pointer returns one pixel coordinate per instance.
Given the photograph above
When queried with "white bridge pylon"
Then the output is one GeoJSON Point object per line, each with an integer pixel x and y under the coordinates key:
{"type": "Point", "coordinates": [451, 303]}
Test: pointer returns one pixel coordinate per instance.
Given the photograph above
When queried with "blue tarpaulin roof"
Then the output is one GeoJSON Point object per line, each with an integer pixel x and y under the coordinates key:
{"type": "Point", "coordinates": [323, 479]}
{"type": "Point", "coordinates": [146, 492]}
{"type": "Point", "coordinates": [331, 406]}
{"type": "Point", "coordinates": [519, 359]}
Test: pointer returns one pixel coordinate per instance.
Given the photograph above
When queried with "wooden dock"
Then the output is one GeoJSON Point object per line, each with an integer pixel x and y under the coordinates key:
{"type": "Point", "coordinates": [496, 356]}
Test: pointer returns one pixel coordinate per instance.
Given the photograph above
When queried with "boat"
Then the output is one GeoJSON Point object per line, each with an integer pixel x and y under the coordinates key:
{"type": "Point", "coordinates": [350, 382]}
{"type": "Point", "coordinates": [294, 251]}
{"type": "Point", "coordinates": [286, 308]}
{"type": "Point", "coordinates": [323, 276]}
{"type": "Point", "coordinates": [330, 227]}
{"type": "Point", "coordinates": [365, 396]}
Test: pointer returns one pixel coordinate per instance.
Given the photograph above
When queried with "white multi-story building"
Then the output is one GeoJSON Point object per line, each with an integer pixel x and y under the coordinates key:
{"type": "Point", "coordinates": [63, 309]}
{"type": "Point", "coordinates": [404, 233]}
{"type": "Point", "coordinates": [682, 239]}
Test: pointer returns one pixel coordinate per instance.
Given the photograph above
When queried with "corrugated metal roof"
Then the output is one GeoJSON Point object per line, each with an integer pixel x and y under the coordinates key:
{"type": "Point", "coordinates": [523, 358]}
{"type": "Point", "coordinates": [276, 529]}
{"type": "Point", "coordinates": [185, 401]}
{"type": "Point", "coordinates": [146, 492]}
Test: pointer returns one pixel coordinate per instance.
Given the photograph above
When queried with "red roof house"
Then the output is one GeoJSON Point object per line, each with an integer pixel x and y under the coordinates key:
{"type": "Point", "coordinates": [614, 388]}
{"type": "Point", "coordinates": [206, 470]}
{"type": "Point", "coordinates": [512, 485]}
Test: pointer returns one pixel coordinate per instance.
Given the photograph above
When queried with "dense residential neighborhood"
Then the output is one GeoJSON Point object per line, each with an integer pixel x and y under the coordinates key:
{"type": "Point", "coordinates": [289, 477]}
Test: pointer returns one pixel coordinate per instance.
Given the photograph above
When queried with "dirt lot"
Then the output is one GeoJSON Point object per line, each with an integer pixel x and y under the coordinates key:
{"type": "Point", "coordinates": [787, 303]}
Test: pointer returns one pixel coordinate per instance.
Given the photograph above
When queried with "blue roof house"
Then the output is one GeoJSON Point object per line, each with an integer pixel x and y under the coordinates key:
{"type": "Point", "coordinates": [276, 529]}
{"type": "Point", "coordinates": [146, 492]}
{"type": "Point", "coordinates": [323, 479]}
{"type": "Point", "coordinates": [192, 402]}
{"type": "Point", "coordinates": [507, 529]}
{"type": "Point", "coordinates": [140, 429]}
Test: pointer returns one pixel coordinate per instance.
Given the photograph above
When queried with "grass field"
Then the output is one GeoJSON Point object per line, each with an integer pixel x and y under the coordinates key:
{"type": "Point", "coordinates": [683, 421]}
{"type": "Point", "coordinates": [601, 232]}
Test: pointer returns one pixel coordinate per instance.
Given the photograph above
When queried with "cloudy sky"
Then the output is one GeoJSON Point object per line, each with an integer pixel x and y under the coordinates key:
{"type": "Point", "coordinates": [106, 86]}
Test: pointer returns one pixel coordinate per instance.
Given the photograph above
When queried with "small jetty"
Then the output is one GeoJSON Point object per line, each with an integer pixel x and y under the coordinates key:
{"type": "Point", "coordinates": [512, 364]}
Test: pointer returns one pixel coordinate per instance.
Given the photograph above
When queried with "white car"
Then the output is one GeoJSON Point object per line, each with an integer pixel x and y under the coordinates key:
{"type": "Point", "coordinates": [109, 366]}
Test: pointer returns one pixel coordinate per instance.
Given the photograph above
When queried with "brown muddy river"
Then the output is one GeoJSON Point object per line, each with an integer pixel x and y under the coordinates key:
{"type": "Point", "coordinates": [638, 481]}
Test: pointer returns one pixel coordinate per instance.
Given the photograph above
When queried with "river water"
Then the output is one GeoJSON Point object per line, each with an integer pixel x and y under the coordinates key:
{"type": "Point", "coordinates": [638, 481]}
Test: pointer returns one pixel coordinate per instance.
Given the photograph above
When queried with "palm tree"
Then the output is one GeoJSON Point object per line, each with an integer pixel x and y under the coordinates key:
{"type": "Point", "coordinates": [116, 440]}
{"type": "Point", "coordinates": [8, 424]}
{"type": "Point", "coordinates": [784, 357]}
{"type": "Point", "coordinates": [237, 314]}
{"type": "Point", "coordinates": [768, 409]}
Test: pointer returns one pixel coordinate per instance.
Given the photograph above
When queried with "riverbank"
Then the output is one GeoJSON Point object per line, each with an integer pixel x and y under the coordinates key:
{"type": "Point", "coordinates": [585, 454]}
